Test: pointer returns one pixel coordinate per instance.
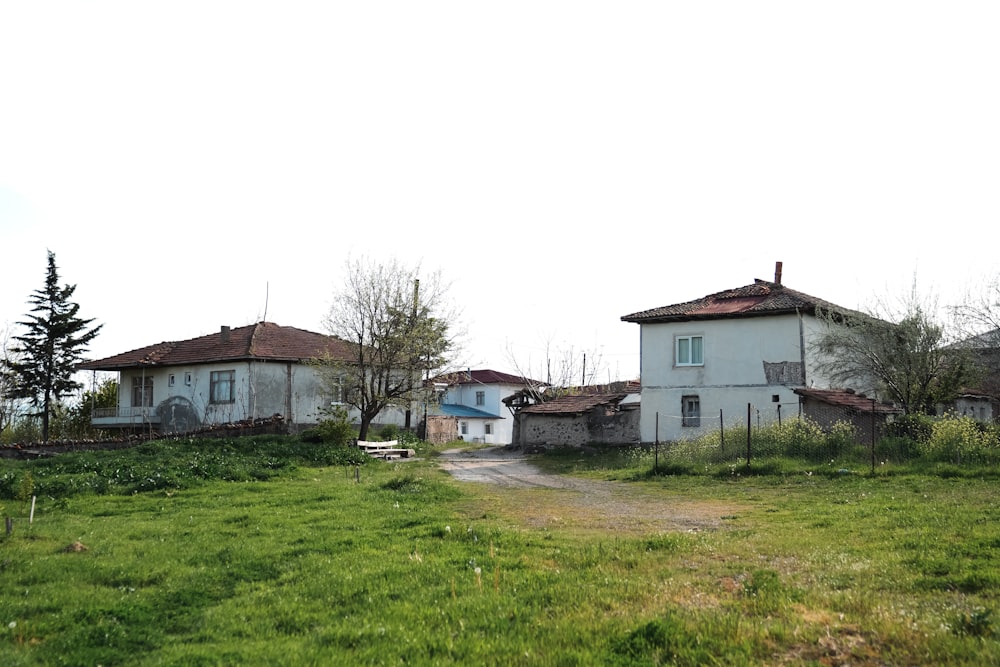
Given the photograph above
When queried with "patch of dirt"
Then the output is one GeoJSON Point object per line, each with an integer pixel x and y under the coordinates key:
{"type": "Point", "coordinates": [540, 499]}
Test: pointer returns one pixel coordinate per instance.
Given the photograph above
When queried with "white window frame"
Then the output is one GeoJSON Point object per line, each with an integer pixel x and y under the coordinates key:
{"type": "Point", "coordinates": [170, 380]}
{"type": "Point", "coordinates": [222, 387]}
{"type": "Point", "coordinates": [187, 379]}
{"type": "Point", "coordinates": [487, 428]}
{"type": "Point", "coordinates": [689, 339]}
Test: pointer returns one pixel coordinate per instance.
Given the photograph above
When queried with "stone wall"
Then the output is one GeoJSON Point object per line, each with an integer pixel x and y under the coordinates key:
{"type": "Point", "coordinates": [441, 429]}
{"type": "Point", "coordinates": [549, 430]}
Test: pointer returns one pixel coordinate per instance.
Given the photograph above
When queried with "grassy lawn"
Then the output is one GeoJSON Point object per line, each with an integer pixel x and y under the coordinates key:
{"type": "Point", "coordinates": [303, 564]}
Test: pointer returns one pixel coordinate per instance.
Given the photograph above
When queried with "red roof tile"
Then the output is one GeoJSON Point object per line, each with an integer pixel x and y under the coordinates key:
{"type": "Point", "coordinates": [760, 298]}
{"type": "Point", "coordinates": [264, 341]}
{"type": "Point", "coordinates": [487, 376]}
{"type": "Point", "coordinates": [847, 398]}
{"type": "Point", "coordinates": [574, 404]}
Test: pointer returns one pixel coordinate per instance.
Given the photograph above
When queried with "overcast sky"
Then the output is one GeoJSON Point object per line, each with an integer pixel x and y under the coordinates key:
{"type": "Point", "coordinates": [562, 163]}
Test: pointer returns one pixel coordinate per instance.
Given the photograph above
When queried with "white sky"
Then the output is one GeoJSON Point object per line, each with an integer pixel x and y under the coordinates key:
{"type": "Point", "coordinates": [563, 163]}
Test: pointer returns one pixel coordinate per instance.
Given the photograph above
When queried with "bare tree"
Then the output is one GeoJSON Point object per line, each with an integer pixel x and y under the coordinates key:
{"type": "Point", "coordinates": [978, 320]}
{"type": "Point", "coordinates": [903, 353]}
{"type": "Point", "coordinates": [559, 366]}
{"type": "Point", "coordinates": [399, 328]}
{"type": "Point", "coordinates": [978, 315]}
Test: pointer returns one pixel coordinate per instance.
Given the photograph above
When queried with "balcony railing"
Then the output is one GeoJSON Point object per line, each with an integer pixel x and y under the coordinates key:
{"type": "Point", "coordinates": [123, 416]}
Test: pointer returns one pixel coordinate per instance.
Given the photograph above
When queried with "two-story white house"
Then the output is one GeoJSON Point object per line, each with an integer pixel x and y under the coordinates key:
{"type": "Point", "coordinates": [234, 374]}
{"type": "Point", "coordinates": [716, 359]}
{"type": "Point", "coordinates": [475, 399]}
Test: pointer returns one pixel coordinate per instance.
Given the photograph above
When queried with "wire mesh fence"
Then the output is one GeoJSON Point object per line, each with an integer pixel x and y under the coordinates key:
{"type": "Point", "coordinates": [834, 434]}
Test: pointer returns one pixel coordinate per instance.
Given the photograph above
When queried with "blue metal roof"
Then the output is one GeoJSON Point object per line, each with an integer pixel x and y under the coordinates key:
{"type": "Point", "coordinates": [455, 410]}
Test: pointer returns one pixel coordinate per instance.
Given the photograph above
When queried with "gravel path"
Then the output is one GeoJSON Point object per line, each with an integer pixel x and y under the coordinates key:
{"type": "Point", "coordinates": [584, 503]}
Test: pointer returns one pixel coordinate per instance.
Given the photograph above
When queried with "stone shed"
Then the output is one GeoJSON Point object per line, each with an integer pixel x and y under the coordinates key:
{"type": "Point", "coordinates": [828, 406]}
{"type": "Point", "coordinates": [573, 421]}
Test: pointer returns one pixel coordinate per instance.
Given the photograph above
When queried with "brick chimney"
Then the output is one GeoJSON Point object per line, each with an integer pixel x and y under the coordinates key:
{"type": "Point", "coordinates": [777, 272]}
{"type": "Point", "coordinates": [225, 334]}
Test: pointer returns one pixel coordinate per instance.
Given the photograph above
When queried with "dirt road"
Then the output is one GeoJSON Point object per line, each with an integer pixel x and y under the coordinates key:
{"type": "Point", "coordinates": [582, 503]}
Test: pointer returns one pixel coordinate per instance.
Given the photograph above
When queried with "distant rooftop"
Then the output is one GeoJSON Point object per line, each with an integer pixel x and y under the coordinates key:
{"type": "Point", "coordinates": [263, 341]}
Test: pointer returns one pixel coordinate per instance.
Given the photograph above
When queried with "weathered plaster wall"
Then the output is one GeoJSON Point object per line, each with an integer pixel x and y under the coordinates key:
{"type": "Point", "coordinates": [733, 375]}
{"type": "Point", "coordinates": [535, 430]}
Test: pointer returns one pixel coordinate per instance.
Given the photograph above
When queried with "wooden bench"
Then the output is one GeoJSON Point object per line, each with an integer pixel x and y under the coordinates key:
{"type": "Point", "coordinates": [385, 450]}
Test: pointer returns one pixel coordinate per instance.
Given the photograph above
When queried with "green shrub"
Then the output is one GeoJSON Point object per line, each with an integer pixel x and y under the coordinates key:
{"type": "Point", "coordinates": [335, 426]}
{"type": "Point", "coordinates": [388, 432]}
{"type": "Point", "coordinates": [962, 440]}
{"type": "Point", "coordinates": [914, 427]}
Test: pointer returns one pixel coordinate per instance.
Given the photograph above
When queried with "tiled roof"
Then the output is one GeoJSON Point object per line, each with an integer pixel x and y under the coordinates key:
{"type": "Point", "coordinates": [264, 341]}
{"type": "Point", "coordinates": [486, 376]}
{"type": "Point", "coordinates": [847, 398]}
{"type": "Point", "coordinates": [574, 405]}
{"type": "Point", "coordinates": [760, 298]}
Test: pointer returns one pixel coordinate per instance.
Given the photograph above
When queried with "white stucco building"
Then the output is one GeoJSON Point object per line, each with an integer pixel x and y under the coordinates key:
{"type": "Point", "coordinates": [475, 399]}
{"type": "Point", "coordinates": [705, 361]}
{"type": "Point", "coordinates": [234, 374]}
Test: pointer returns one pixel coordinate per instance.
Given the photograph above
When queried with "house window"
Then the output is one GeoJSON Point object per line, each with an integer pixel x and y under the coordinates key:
{"type": "Point", "coordinates": [142, 392]}
{"type": "Point", "coordinates": [488, 428]}
{"type": "Point", "coordinates": [340, 391]}
{"type": "Point", "coordinates": [187, 379]}
{"type": "Point", "coordinates": [690, 411]}
{"type": "Point", "coordinates": [465, 428]}
{"type": "Point", "coordinates": [170, 380]}
{"type": "Point", "coordinates": [480, 398]}
{"type": "Point", "coordinates": [689, 351]}
{"type": "Point", "coordinates": [221, 390]}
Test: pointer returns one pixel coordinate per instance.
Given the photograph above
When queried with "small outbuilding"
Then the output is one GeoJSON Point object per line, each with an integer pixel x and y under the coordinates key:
{"type": "Point", "coordinates": [577, 420]}
{"type": "Point", "coordinates": [827, 407]}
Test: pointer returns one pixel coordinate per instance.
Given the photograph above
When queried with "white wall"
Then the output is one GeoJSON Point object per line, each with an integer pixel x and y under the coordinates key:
{"type": "Point", "coordinates": [261, 390]}
{"type": "Point", "coordinates": [503, 425]}
{"type": "Point", "coordinates": [732, 375]}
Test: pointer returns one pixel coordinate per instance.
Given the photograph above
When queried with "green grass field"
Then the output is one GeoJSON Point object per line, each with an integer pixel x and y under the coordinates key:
{"type": "Point", "coordinates": [296, 562]}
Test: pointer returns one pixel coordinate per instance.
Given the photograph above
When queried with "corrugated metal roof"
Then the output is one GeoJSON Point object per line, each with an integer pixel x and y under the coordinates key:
{"type": "Point", "coordinates": [264, 341]}
{"type": "Point", "coordinates": [456, 410]}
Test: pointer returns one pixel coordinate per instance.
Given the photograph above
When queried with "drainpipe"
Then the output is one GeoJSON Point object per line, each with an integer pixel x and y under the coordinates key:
{"type": "Point", "coordinates": [288, 394]}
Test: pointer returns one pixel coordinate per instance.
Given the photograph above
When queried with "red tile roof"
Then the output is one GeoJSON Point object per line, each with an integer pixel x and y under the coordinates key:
{"type": "Point", "coordinates": [760, 298]}
{"type": "Point", "coordinates": [847, 398]}
{"type": "Point", "coordinates": [264, 341]}
{"type": "Point", "coordinates": [574, 405]}
{"type": "Point", "coordinates": [487, 376]}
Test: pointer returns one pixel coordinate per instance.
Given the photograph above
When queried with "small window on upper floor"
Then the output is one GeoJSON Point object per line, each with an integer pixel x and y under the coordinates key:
{"type": "Point", "coordinates": [170, 380]}
{"type": "Point", "coordinates": [689, 351]}
{"type": "Point", "coordinates": [187, 379]}
{"type": "Point", "coordinates": [480, 398]}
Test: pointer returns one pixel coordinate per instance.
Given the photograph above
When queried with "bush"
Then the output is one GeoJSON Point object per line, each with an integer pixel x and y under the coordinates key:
{"type": "Point", "coordinates": [388, 432]}
{"type": "Point", "coordinates": [334, 426]}
{"type": "Point", "coordinates": [962, 440]}
{"type": "Point", "coordinates": [914, 427]}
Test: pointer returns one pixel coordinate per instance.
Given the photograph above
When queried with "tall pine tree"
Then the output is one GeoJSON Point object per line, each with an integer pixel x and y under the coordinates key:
{"type": "Point", "coordinates": [47, 355]}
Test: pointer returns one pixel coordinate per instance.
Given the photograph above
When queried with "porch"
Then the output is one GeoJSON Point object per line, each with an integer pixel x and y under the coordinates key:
{"type": "Point", "coordinates": [124, 417]}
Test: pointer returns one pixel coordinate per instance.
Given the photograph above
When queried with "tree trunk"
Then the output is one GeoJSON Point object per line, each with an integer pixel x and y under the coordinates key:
{"type": "Point", "coordinates": [45, 417]}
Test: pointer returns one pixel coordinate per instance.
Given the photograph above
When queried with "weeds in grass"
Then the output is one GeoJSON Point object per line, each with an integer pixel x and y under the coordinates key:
{"type": "Point", "coordinates": [309, 567]}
